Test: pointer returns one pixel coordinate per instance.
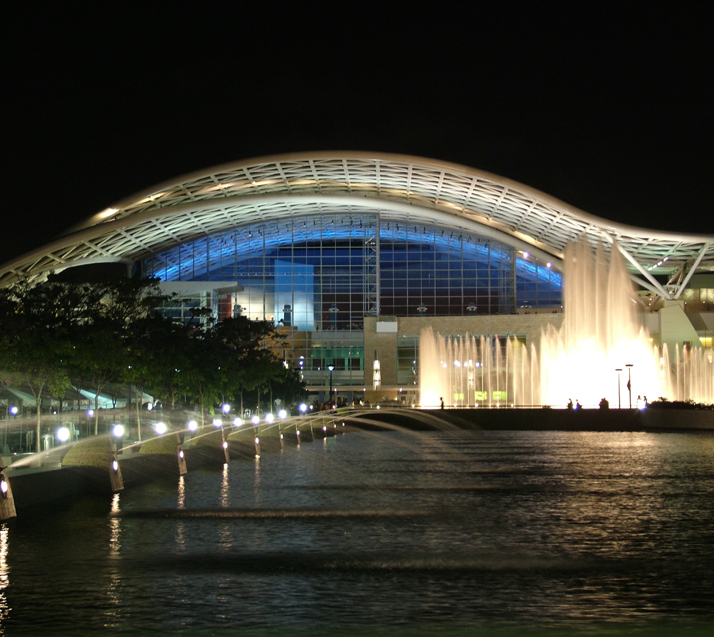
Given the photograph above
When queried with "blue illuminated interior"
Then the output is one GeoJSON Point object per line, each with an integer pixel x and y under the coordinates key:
{"type": "Point", "coordinates": [324, 270]}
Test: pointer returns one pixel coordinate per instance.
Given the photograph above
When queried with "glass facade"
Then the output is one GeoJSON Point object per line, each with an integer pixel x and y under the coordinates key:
{"type": "Point", "coordinates": [324, 273]}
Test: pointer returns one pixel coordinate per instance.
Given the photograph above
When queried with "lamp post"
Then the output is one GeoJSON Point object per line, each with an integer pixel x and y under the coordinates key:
{"type": "Point", "coordinates": [629, 381]}
{"type": "Point", "coordinates": [619, 402]}
{"type": "Point", "coordinates": [331, 368]}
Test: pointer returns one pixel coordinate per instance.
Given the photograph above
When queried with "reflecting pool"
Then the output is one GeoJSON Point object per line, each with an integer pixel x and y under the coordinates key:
{"type": "Point", "coordinates": [386, 533]}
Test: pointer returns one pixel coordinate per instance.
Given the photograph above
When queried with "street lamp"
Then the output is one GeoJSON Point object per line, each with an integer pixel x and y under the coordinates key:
{"type": "Point", "coordinates": [118, 433]}
{"type": "Point", "coordinates": [619, 402]}
{"type": "Point", "coordinates": [331, 368]}
{"type": "Point", "coordinates": [629, 381]}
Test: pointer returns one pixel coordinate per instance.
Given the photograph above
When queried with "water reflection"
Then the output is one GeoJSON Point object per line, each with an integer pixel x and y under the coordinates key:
{"type": "Point", "coordinates": [115, 527]}
{"type": "Point", "coordinates": [556, 530]}
{"type": "Point", "coordinates": [181, 526]}
{"type": "Point", "coordinates": [225, 494]}
{"type": "Point", "coordinates": [113, 608]}
{"type": "Point", "coordinates": [4, 576]}
{"type": "Point", "coordinates": [181, 500]}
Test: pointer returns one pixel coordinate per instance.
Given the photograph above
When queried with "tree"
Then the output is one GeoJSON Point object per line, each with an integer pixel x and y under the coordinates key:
{"type": "Point", "coordinates": [51, 332]}
{"type": "Point", "coordinates": [35, 324]}
{"type": "Point", "coordinates": [248, 359]}
{"type": "Point", "coordinates": [101, 342]}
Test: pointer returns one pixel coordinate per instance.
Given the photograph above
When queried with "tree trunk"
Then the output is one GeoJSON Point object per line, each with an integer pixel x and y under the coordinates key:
{"type": "Point", "coordinates": [38, 402]}
{"type": "Point", "coordinates": [96, 413]}
{"type": "Point", "coordinates": [39, 422]}
{"type": "Point", "coordinates": [138, 413]}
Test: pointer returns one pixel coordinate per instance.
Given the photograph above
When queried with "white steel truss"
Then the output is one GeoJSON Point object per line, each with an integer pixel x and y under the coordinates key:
{"type": "Point", "coordinates": [397, 186]}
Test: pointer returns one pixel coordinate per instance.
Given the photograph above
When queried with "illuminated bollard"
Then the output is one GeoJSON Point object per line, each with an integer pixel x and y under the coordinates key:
{"type": "Point", "coordinates": [116, 482]}
{"type": "Point", "coordinates": [183, 470]}
{"type": "Point", "coordinates": [257, 447]}
{"type": "Point", "coordinates": [7, 502]}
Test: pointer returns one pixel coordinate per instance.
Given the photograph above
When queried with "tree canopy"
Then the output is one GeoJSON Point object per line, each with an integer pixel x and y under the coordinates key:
{"type": "Point", "coordinates": [54, 335]}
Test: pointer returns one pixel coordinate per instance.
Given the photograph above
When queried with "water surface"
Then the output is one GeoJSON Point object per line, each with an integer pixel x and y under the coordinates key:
{"type": "Point", "coordinates": [387, 533]}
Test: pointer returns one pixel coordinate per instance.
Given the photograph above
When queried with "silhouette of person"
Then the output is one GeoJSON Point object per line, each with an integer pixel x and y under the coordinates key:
{"type": "Point", "coordinates": [442, 402]}
{"type": "Point", "coordinates": [570, 404]}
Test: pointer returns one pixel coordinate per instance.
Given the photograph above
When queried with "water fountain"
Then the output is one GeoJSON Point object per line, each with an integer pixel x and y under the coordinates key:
{"type": "Point", "coordinates": [602, 332]}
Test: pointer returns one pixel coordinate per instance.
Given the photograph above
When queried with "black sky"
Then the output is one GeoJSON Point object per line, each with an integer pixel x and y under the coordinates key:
{"type": "Point", "coordinates": [607, 106]}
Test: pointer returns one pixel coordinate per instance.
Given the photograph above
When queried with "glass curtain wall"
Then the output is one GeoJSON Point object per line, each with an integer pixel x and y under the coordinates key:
{"type": "Point", "coordinates": [323, 274]}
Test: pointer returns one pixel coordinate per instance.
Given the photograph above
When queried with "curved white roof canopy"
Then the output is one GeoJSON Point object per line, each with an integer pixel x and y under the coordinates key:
{"type": "Point", "coordinates": [399, 187]}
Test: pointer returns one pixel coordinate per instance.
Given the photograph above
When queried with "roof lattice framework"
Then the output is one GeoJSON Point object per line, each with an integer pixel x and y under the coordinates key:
{"type": "Point", "coordinates": [397, 186]}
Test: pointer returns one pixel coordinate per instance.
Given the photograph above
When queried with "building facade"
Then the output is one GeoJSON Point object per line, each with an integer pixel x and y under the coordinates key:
{"type": "Point", "coordinates": [353, 254]}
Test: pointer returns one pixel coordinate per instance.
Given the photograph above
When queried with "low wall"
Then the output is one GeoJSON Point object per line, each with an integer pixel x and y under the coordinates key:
{"type": "Point", "coordinates": [541, 419]}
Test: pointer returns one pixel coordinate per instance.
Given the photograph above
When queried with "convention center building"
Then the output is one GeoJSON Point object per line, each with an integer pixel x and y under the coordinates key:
{"type": "Point", "coordinates": [352, 254]}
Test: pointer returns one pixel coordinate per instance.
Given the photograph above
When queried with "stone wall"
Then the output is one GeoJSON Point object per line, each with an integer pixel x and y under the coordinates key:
{"type": "Point", "coordinates": [528, 325]}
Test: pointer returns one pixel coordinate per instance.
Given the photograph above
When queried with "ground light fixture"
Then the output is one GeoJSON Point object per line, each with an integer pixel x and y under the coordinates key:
{"type": "Point", "coordinates": [269, 418]}
{"type": "Point", "coordinates": [255, 419]}
{"type": "Point", "coordinates": [63, 434]}
{"type": "Point", "coordinates": [118, 431]}
{"type": "Point", "coordinates": [13, 410]}
{"type": "Point", "coordinates": [90, 413]}
{"type": "Point", "coordinates": [629, 380]}
{"type": "Point", "coordinates": [192, 425]}
{"type": "Point", "coordinates": [226, 408]}
{"type": "Point", "coordinates": [160, 428]}
{"type": "Point", "coordinates": [302, 408]}
{"type": "Point", "coordinates": [3, 488]}
{"type": "Point", "coordinates": [331, 368]}
{"type": "Point", "coordinates": [282, 414]}
{"type": "Point", "coordinates": [217, 422]}
{"type": "Point", "coordinates": [237, 422]}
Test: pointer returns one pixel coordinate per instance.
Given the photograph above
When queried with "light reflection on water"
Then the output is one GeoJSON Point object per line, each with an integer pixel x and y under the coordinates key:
{"type": "Point", "coordinates": [4, 575]}
{"type": "Point", "coordinates": [386, 531]}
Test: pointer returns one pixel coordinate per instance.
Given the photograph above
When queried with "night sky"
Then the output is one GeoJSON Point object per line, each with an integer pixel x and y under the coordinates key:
{"type": "Point", "coordinates": [607, 107]}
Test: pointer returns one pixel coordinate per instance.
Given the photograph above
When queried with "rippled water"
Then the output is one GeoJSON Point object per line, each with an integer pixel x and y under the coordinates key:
{"type": "Point", "coordinates": [388, 533]}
